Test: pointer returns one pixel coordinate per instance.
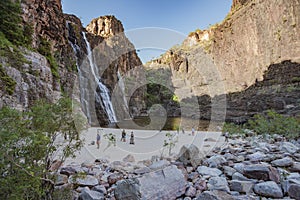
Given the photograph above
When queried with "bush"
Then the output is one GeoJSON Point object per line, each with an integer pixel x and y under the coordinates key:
{"type": "Point", "coordinates": [274, 123]}
{"type": "Point", "coordinates": [268, 123]}
{"type": "Point", "coordinates": [233, 128]}
{"type": "Point", "coordinates": [28, 147]}
{"type": "Point", "coordinates": [7, 83]}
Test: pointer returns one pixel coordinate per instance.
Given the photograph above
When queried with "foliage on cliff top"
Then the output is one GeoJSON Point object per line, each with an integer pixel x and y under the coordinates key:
{"type": "Point", "coordinates": [28, 147]}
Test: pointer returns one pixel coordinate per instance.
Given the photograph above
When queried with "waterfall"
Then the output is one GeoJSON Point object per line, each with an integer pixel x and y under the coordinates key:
{"type": "Point", "coordinates": [122, 87]}
{"type": "Point", "coordinates": [106, 103]}
{"type": "Point", "coordinates": [83, 96]}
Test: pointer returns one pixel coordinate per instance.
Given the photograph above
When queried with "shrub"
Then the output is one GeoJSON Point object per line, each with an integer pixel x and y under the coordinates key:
{"type": "Point", "coordinates": [8, 83]}
{"type": "Point", "coordinates": [170, 142]}
{"type": "Point", "coordinates": [233, 128]}
{"type": "Point", "coordinates": [274, 123]}
{"type": "Point", "coordinates": [28, 147]}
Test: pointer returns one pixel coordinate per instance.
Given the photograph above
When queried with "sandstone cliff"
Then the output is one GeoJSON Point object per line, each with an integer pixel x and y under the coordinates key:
{"type": "Point", "coordinates": [235, 55]}
{"type": "Point", "coordinates": [56, 62]}
{"type": "Point", "coordinates": [48, 67]}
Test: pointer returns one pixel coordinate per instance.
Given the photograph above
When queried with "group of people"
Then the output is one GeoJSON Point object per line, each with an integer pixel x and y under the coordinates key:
{"type": "Point", "coordinates": [123, 138]}
{"type": "Point", "coordinates": [183, 131]}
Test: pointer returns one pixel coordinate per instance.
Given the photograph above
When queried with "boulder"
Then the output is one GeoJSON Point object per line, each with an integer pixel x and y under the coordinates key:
{"type": "Point", "coordinates": [295, 167]}
{"type": "Point", "coordinates": [294, 191]}
{"type": "Point", "coordinates": [240, 177]}
{"type": "Point", "coordinates": [68, 170]}
{"type": "Point", "coordinates": [191, 192]}
{"type": "Point", "coordinates": [229, 171]}
{"type": "Point", "coordinates": [257, 156]}
{"type": "Point", "coordinates": [203, 170]}
{"type": "Point", "coordinates": [215, 161]}
{"type": "Point", "coordinates": [142, 170]}
{"type": "Point", "coordinates": [201, 185]}
{"type": "Point", "coordinates": [215, 195]}
{"type": "Point", "coordinates": [239, 167]}
{"type": "Point", "coordinates": [129, 158]}
{"type": "Point", "coordinates": [159, 165]}
{"type": "Point", "coordinates": [61, 179]}
{"type": "Point", "coordinates": [268, 189]}
{"type": "Point", "coordinates": [83, 180]}
{"type": "Point", "coordinates": [218, 183]}
{"type": "Point", "coordinates": [289, 147]}
{"type": "Point", "coordinates": [91, 195]}
{"type": "Point", "coordinates": [190, 154]}
{"type": "Point", "coordinates": [261, 172]}
{"type": "Point", "coordinates": [241, 186]}
{"type": "Point", "coordinates": [128, 189]}
{"type": "Point", "coordinates": [56, 164]}
{"type": "Point", "coordinates": [113, 178]}
{"type": "Point", "coordinates": [168, 183]}
{"type": "Point", "coordinates": [100, 188]}
{"type": "Point", "coordinates": [284, 162]}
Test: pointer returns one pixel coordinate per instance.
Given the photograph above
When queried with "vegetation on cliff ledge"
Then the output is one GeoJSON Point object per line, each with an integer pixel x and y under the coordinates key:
{"type": "Point", "coordinates": [12, 35]}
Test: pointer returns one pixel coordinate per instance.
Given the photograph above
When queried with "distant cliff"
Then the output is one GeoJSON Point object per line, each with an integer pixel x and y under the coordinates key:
{"type": "Point", "coordinates": [238, 53]}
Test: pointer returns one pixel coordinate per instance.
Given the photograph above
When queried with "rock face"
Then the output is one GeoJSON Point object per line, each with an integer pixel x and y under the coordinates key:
{"type": "Point", "coordinates": [62, 64]}
{"type": "Point", "coordinates": [105, 26]}
{"type": "Point", "coordinates": [167, 183]}
{"type": "Point", "coordinates": [34, 77]}
{"type": "Point", "coordinates": [253, 55]}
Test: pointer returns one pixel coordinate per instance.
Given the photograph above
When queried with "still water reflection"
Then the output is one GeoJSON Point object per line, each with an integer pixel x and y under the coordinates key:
{"type": "Point", "coordinates": [174, 123]}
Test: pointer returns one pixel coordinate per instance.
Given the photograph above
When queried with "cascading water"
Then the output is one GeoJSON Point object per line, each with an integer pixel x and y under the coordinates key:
{"type": "Point", "coordinates": [103, 98]}
{"type": "Point", "coordinates": [122, 86]}
{"type": "Point", "coordinates": [84, 102]}
{"type": "Point", "coordinates": [83, 96]}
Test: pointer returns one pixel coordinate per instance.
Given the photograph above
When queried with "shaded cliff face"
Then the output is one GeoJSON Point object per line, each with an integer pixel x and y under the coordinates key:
{"type": "Point", "coordinates": [239, 52]}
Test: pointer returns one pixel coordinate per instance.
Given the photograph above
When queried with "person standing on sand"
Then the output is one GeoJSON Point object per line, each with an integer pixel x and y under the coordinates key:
{"type": "Point", "coordinates": [193, 131]}
{"type": "Point", "coordinates": [131, 138]}
{"type": "Point", "coordinates": [123, 138]}
{"type": "Point", "coordinates": [98, 140]}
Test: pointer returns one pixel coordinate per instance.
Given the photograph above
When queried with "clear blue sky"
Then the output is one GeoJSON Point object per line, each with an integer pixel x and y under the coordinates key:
{"type": "Point", "coordinates": [181, 16]}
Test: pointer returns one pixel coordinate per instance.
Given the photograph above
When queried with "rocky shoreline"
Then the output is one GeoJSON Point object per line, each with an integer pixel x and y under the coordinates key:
{"type": "Point", "coordinates": [253, 167]}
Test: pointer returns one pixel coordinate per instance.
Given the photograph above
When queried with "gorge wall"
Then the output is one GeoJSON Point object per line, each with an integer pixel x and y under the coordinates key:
{"type": "Point", "coordinates": [57, 61]}
{"type": "Point", "coordinates": [257, 38]}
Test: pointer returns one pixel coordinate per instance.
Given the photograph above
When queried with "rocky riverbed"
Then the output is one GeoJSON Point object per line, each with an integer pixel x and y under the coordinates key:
{"type": "Point", "coordinates": [253, 167]}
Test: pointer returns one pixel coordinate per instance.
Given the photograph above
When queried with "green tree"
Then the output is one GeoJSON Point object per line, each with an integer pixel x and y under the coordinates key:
{"type": "Point", "coordinates": [30, 141]}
